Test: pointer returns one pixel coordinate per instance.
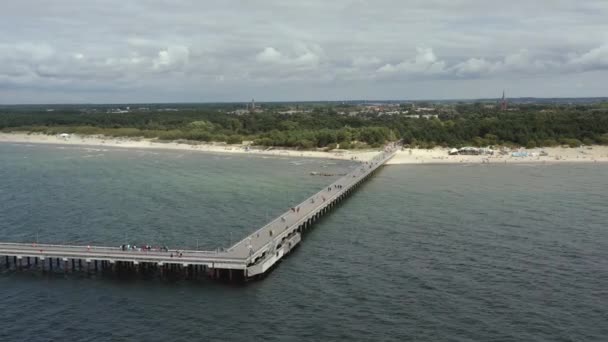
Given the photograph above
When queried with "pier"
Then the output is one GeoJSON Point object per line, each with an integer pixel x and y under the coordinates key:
{"type": "Point", "coordinates": [250, 258]}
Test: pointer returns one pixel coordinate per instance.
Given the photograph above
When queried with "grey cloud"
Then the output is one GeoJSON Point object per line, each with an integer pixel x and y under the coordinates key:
{"type": "Point", "coordinates": [277, 50]}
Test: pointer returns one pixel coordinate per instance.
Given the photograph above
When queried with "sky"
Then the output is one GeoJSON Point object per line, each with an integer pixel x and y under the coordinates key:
{"type": "Point", "coordinates": [119, 51]}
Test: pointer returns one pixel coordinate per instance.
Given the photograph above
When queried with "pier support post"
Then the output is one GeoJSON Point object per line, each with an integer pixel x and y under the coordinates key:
{"type": "Point", "coordinates": [50, 264]}
{"type": "Point", "coordinates": [95, 265]}
{"type": "Point", "coordinates": [28, 262]}
{"type": "Point", "coordinates": [7, 263]}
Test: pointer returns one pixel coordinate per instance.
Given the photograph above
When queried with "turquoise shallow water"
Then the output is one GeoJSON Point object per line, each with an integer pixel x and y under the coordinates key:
{"type": "Point", "coordinates": [442, 253]}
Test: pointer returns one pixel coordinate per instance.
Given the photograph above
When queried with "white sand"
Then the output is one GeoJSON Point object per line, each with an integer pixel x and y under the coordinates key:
{"type": "Point", "coordinates": [590, 154]}
{"type": "Point", "coordinates": [142, 143]}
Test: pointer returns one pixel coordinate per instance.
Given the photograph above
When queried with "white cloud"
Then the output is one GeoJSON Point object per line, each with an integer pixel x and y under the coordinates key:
{"type": "Point", "coordinates": [304, 57]}
{"type": "Point", "coordinates": [307, 59]}
{"type": "Point", "coordinates": [171, 58]}
{"type": "Point", "coordinates": [269, 55]}
{"type": "Point", "coordinates": [520, 62]}
{"type": "Point", "coordinates": [474, 66]}
{"type": "Point", "coordinates": [424, 63]}
{"type": "Point", "coordinates": [594, 59]}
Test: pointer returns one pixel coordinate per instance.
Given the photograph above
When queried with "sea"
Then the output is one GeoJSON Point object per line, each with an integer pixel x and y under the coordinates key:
{"type": "Point", "coordinates": [418, 253]}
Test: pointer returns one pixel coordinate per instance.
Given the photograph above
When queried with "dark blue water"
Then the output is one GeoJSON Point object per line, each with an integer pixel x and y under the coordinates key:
{"type": "Point", "coordinates": [441, 253]}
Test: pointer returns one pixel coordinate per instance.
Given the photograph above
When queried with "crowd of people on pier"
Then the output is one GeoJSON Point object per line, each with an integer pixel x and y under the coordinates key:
{"type": "Point", "coordinates": [145, 248]}
{"type": "Point", "coordinates": [148, 248]}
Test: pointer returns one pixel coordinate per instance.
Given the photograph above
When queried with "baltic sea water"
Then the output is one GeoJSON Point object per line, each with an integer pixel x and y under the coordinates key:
{"type": "Point", "coordinates": [426, 253]}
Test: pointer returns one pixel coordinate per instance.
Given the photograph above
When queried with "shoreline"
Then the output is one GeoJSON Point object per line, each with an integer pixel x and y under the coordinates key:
{"type": "Point", "coordinates": [438, 156]}
{"type": "Point", "coordinates": [142, 143]}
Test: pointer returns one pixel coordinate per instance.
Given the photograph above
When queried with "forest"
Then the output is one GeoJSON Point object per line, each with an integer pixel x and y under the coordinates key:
{"type": "Point", "coordinates": [326, 125]}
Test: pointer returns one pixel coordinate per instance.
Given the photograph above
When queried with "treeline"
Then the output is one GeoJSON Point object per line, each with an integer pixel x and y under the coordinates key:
{"type": "Point", "coordinates": [519, 128]}
{"type": "Point", "coordinates": [345, 138]}
{"type": "Point", "coordinates": [319, 129]}
{"type": "Point", "coordinates": [528, 126]}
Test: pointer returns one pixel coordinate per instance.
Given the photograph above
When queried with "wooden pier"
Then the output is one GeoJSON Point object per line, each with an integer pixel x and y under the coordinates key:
{"type": "Point", "coordinates": [249, 258]}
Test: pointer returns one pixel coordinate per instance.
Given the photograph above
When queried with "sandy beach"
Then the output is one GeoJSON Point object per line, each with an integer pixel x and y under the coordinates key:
{"type": "Point", "coordinates": [588, 154]}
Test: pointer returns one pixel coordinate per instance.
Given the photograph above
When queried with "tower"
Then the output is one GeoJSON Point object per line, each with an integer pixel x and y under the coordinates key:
{"type": "Point", "coordinates": [503, 102]}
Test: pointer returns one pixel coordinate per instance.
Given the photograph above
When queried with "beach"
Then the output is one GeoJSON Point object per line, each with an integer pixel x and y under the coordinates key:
{"type": "Point", "coordinates": [585, 154]}
{"type": "Point", "coordinates": [551, 155]}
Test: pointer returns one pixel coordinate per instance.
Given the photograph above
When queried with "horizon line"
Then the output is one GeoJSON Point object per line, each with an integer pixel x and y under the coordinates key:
{"type": "Point", "coordinates": [307, 101]}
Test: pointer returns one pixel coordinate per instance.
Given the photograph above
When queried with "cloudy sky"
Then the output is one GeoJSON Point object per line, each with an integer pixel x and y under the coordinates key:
{"type": "Point", "coordinates": [74, 51]}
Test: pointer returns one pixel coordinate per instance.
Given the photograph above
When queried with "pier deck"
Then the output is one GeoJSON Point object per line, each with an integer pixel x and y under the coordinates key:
{"type": "Point", "coordinates": [252, 256]}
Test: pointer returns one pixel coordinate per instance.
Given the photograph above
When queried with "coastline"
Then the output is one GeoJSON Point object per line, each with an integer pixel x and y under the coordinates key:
{"type": "Point", "coordinates": [555, 155]}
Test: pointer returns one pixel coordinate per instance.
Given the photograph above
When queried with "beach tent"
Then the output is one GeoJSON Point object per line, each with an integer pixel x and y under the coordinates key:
{"type": "Point", "coordinates": [519, 154]}
{"type": "Point", "coordinates": [453, 151]}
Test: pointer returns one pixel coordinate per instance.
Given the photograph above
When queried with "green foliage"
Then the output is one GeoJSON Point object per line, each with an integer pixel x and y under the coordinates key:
{"type": "Point", "coordinates": [549, 142]}
{"type": "Point", "coordinates": [571, 142]}
{"type": "Point", "coordinates": [345, 145]}
{"type": "Point", "coordinates": [235, 139]}
{"type": "Point", "coordinates": [332, 146]}
{"type": "Point", "coordinates": [466, 124]}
